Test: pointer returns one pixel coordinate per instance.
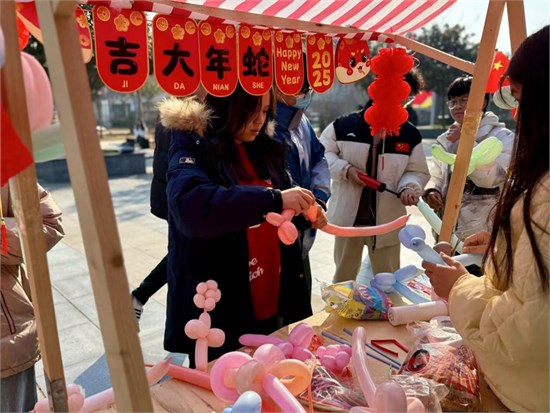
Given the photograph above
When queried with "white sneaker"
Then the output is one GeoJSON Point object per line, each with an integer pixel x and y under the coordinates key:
{"type": "Point", "coordinates": [138, 308]}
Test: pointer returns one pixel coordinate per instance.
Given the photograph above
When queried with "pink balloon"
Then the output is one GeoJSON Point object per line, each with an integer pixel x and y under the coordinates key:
{"type": "Point", "coordinates": [286, 230]}
{"type": "Point", "coordinates": [222, 375]}
{"type": "Point", "coordinates": [339, 231]}
{"type": "Point", "coordinates": [389, 396]}
{"type": "Point", "coordinates": [196, 377]}
{"type": "Point", "coordinates": [38, 92]}
{"type": "Point", "coordinates": [200, 330]}
{"type": "Point", "coordinates": [280, 395]}
{"type": "Point", "coordinates": [256, 340]}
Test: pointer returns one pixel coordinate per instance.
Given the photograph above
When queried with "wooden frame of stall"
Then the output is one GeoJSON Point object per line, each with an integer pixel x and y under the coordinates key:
{"type": "Point", "coordinates": [90, 184]}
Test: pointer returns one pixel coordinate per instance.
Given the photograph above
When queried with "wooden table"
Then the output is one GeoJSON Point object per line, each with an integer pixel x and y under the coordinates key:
{"type": "Point", "coordinates": [177, 396]}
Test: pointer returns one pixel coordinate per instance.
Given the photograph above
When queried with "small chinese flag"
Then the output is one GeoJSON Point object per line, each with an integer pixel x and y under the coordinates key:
{"type": "Point", "coordinates": [500, 64]}
{"type": "Point", "coordinates": [15, 156]}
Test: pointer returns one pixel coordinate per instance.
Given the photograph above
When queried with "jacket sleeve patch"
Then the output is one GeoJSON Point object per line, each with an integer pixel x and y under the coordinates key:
{"type": "Point", "coordinates": [402, 147]}
{"type": "Point", "coordinates": [187, 160]}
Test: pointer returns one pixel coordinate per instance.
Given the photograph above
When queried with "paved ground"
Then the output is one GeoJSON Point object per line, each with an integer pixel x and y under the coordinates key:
{"type": "Point", "coordinates": [144, 242]}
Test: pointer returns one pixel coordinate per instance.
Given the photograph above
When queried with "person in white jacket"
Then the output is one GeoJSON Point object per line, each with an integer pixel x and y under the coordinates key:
{"type": "Point", "coordinates": [483, 184]}
{"type": "Point", "coordinates": [399, 162]}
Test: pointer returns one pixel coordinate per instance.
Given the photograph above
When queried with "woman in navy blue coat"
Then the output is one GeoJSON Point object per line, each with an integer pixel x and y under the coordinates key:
{"type": "Point", "coordinates": [225, 174]}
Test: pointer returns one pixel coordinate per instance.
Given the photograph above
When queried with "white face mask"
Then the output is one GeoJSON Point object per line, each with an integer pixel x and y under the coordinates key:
{"type": "Point", "coordinates": [503, 98]}
{"type": "Point", "coordinates": [304, 101]}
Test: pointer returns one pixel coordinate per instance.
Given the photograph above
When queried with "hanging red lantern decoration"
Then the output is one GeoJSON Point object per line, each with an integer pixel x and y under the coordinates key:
{"type": "Point", "coordinates": [388, 91]}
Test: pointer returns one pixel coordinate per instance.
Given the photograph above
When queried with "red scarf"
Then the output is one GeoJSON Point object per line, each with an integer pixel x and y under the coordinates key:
{"type": "Point", "coordinates": [264, 261]}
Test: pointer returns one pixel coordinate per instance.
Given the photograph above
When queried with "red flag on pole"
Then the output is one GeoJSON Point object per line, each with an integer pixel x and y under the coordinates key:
{"type": "Point", "coordinates": [15, 156]}
{"type": "Point", "coordinates": [500, 64]}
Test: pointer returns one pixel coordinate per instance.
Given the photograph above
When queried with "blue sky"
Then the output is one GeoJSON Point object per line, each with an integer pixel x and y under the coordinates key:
{"type": "Point", "coordinates": [471, 13]}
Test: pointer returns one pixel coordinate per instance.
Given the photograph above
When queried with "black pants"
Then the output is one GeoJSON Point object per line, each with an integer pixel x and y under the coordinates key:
{"type": "Point", "coordinates": [153, 282]}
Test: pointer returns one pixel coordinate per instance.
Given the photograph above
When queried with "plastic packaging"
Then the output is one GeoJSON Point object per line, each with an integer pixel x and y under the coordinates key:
{"type": "Point", "coordinates": [440, 354]}
{"type": "Point", "coordinates": [350, 299]}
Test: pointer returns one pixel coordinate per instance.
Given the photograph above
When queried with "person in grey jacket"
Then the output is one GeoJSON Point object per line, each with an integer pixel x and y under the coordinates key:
{"type": "Point", "coordinates": [19, 341]}
{"type": "Point", "coordinates": [399, 162]}
{"type": "Point", "coordinates": [483, 185]}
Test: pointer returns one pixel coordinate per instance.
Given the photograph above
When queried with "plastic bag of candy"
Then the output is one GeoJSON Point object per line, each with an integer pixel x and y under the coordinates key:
{"type": "Point", "coordinates": [350, 299]}
{"type": "Point", "coordinates": [440, 354]}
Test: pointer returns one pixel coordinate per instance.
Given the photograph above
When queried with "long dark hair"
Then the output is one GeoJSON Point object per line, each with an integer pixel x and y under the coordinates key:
{"type": "Point", "coordinates": [529, 68]}
{"type": "Point", "coordinates": [230, 115]}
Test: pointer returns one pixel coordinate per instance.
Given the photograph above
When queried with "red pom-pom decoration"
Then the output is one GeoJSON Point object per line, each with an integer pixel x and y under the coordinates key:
{"type": "Point", "coordinates": [388, 91]}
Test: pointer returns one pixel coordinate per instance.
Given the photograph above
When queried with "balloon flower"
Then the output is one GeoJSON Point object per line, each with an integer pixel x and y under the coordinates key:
{"type": "Point", "coordinates": [267, 373]}
{"type": "Point", "coordinates": [334, 357]}
{"type": "Point", "coordinates": [288, 234]}
{"type": "Point", "coordinates": [207, 296]}
{"type": "Point", "coordinates": [386, 398]}
{"type": "Point", "coordinates": [413, 237]}
{"type": "Point", "coordinates": [389, 282]}
{"type": "Point", "coordinates": [296, 347]}
{"type": "Point", "coordinates": [483, 154]}
{"type": "Point", "coordinates": [78, 404]}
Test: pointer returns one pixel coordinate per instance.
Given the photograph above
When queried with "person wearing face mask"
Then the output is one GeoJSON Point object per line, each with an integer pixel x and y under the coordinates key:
{"type": "Point", "coordinates": [305, 159]}
{"type": "Point", "coordinates": [483, 185]}
{"type": "Point", "coordinates": [399, 162]}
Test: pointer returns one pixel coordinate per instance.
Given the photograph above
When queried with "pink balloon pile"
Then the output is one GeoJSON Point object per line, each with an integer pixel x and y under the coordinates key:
{"type": "Point", "coordinates": [267, 373]}
{"type": "Point", "coordinates": [295, 347]}
{"type": "Point", "coordinates": [208, 294]}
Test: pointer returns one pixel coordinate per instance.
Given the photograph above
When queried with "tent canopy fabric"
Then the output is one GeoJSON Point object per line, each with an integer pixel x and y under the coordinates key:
{"type": "Point", "coordinates": [366, 19]}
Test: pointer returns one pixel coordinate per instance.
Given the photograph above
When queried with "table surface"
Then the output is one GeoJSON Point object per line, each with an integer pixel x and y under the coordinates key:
{"type": "Point", "coordinates": [177, 396]}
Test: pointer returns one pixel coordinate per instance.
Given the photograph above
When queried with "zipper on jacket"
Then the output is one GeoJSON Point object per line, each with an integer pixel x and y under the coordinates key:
{"type": "Point", "coordinates": [7, 314]}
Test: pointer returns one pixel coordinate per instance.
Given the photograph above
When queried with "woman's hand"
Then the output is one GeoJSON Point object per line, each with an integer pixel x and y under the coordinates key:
{"type": "Point", "coordinates": [353, 173]}
{"type": "Point", "coordinates": [321, 220]}
{"type": "Point", "coordinates": [408, 197]}
{"type": "Point", "coordinates": [435, 200]}
{"type": "Point", "coordinates": [477, 243]}
{"type": "Point", "coordinates": [443, 277]}
{"type": "Point", "coordinates": [298, 199]}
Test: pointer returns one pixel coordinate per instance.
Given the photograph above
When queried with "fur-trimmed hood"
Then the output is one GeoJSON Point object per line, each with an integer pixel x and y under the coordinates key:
{"type": "Point", "coordinates": [191, 115]}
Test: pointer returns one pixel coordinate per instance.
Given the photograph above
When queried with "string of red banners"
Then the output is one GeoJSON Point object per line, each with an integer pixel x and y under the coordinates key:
{"type": "Point", "coordinates": [218, 55]}
{"type": "Point", "coordinates": [186, 54]}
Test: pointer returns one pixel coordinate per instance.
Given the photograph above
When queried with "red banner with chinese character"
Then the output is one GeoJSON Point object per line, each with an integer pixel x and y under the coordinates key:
{"type": "Point", "coordinates": [84, 35]}
{"type": "Point", "coordinates": [320, 62]}
{"type": "Point", "coordinates": [218, 58]}
{"type": "Point", "coordinates": [121, 48]}
{"type": "Point", "coordinates": [176, 54]}
{"type": "Point", "coordinates": [289, 62]}
{"type": "Point", "coordinates": [255, 60]}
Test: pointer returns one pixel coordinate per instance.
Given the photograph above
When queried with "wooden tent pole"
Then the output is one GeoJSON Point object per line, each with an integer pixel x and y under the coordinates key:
{"type": "Point", "coordinates": [29, 218]}
{"type": "Point", "coordinates": [89, 181]}
{"type": "Point", "coordinates": [472, 117]}
{"type": "Point", "coordinates": [516, 22]}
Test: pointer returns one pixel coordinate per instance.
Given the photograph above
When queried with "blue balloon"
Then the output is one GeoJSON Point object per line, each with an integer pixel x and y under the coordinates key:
{"type": "Point", "coordinates": [248, 402]}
